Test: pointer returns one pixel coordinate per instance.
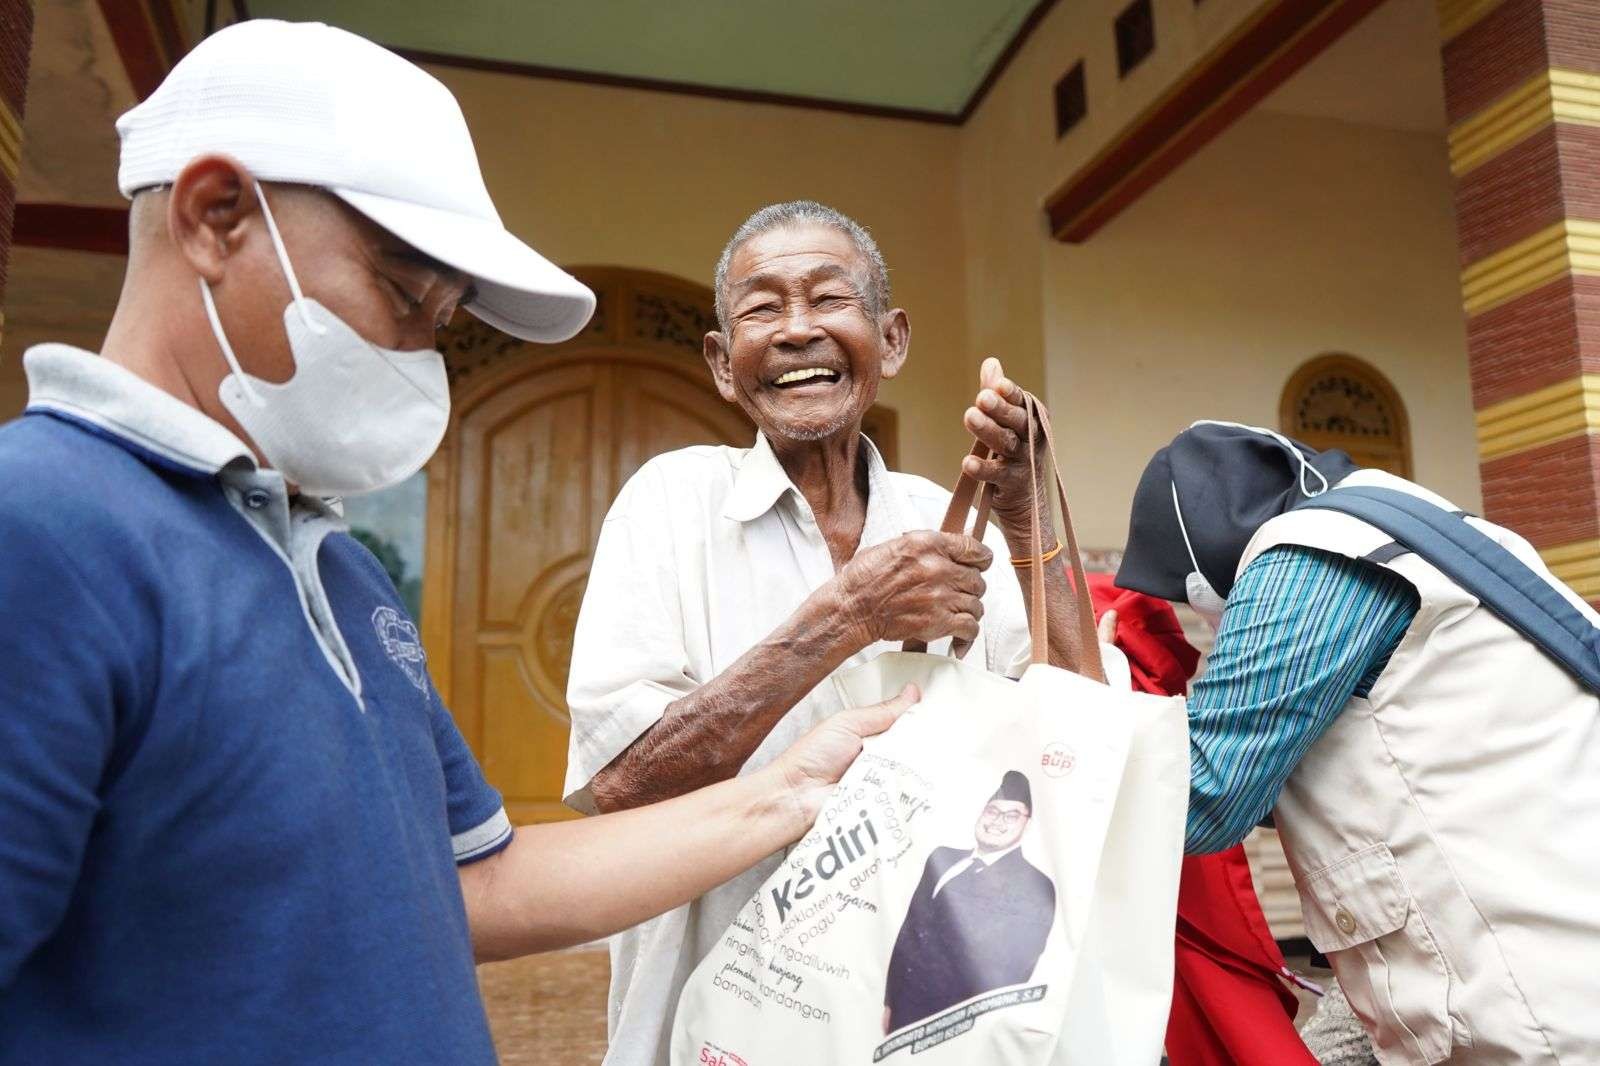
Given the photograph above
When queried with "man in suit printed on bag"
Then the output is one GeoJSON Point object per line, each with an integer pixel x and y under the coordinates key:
{"type": "Point", "coordinates": [979, 918]}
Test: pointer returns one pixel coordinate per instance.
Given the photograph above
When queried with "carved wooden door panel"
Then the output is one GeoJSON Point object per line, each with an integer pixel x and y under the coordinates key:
{"type": "Point", "coordinates": [540, 443]}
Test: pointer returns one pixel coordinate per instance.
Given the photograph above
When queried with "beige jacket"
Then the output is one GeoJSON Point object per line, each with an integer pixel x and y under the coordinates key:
{"type": "Point", "coordinates": [1444, 833]}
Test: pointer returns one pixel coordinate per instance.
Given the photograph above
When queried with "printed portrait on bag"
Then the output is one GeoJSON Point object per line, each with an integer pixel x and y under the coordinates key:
{"type": "Point", "coordinates": [979, 918]}
{"type": "Point", "coordinates": [967, 888]}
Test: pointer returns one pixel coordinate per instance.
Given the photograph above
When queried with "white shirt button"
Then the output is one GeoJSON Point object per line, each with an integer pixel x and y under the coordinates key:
{"type": "Point", "coordinates": [1345, 921]}
{"type": "Point", "coordinates": [256, 499]}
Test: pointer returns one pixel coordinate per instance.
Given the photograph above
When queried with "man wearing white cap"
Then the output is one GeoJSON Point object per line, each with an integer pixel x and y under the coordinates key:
{"type": "Point", "coordinates": [236, 824]}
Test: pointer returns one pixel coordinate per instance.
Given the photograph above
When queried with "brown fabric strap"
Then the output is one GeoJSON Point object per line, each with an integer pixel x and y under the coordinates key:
{"type": "Point", "coordinates": [969, 490]}
{"type": "Point", "coordinates": [1083, 602]}
{"type": "Point", "coordinates": [1039, 620]}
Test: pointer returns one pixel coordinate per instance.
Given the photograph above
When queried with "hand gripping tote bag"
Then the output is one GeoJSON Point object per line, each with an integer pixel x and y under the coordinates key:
{"type": "Point", "coordinates": [994, 881]}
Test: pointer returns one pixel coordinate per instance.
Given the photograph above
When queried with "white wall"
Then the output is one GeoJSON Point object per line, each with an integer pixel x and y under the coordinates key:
{"type": "Point", "coordinates": [607, 176]}
{"type": "Point", "coordinates": [1012, 160]}
{"type": "Point", "coordinates": [1287, 237]}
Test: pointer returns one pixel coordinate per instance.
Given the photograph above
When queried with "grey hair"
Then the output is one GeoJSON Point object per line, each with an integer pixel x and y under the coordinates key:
{"type": "Point", "coordinates": [801, 213]}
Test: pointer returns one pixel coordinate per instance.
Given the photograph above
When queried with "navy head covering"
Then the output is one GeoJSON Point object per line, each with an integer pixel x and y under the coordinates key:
{"type": "Point", "coordinates": [1014, 787]}
{"type": "Point", "coordinates": [1229, 480]}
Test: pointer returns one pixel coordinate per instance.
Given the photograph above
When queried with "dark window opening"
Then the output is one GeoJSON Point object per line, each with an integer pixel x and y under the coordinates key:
{"type": "Point", "coordinates": [1072, 100]}
{"type": "Point", "coordinates": [1136, 35]}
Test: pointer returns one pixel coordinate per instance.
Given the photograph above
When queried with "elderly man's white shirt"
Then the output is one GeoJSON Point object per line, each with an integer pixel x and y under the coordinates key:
{"type": "Point", "coordinates": [706, 551]}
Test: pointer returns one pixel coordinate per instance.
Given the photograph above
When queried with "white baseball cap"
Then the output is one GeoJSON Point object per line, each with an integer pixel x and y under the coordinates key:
{"type": "Point", "coordinates": [315, 105]}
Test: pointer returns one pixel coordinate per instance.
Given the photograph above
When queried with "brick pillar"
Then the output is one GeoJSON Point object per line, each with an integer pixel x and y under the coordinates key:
{"type": "Point", "coordinates": [16, 36]}
{"type": "Point", "coordinates": [1522, 94]}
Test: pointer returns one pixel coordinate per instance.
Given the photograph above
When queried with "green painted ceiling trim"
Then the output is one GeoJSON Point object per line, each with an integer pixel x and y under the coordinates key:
{"type": "Point", "coordinates": [923, 55]}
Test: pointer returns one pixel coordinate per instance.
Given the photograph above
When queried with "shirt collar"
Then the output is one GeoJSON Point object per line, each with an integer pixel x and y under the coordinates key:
{"type": "Point", "coordinates": [116, 403]}
{"type": "Point", "coordinates": [993, 857]}
{"type": "Point", "coordinates": [761, 482]}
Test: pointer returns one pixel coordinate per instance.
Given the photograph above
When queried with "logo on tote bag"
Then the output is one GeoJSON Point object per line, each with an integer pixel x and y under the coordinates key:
{"type": "Point", "coordinates": [1057, 760]}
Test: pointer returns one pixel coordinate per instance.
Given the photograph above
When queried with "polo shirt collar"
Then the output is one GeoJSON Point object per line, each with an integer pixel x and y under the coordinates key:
{"type": "Point", "coordinates": [761, 482]}
{"type": "Point", "coordinates": [118, 404]}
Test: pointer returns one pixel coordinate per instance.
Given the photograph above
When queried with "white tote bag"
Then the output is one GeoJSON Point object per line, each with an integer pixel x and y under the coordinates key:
{"type": "Point", "coordinates": [994, 881]}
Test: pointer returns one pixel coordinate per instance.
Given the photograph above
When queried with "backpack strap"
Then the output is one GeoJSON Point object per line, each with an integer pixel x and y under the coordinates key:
{"type": "Point", "coordinates": [1513, 591]}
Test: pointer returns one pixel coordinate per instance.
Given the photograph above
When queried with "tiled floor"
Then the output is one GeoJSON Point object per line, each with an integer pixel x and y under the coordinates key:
{"type": "Point", "coordinates": [548, 1010]}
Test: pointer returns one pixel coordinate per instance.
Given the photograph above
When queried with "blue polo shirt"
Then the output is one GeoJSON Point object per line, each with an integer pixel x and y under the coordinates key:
{"type": "Point", "coordinates": [231, 803]}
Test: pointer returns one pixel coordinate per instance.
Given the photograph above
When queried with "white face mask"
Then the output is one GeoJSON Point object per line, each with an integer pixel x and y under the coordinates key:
{"type": "Point", "coordinates": [354, 417]}
{"type": "Point", "coordinates": [1205, 600]}
{"type": "Point", "coordinates": [1203, 597]}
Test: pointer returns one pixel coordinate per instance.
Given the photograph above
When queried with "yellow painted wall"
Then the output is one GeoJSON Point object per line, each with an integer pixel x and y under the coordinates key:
{"type": "Point", "coordinates": [13, 386]}
{"type": "Point", "coordinates": [1287, 237]}
{"type": "Point", "coordinates": [1012, 160]}
{"type": "Point", "coordinates": [602, 176]}
{"type": "Point", "coordinates": [51, 295]}
{"type": "Point", "coordinates": [619, 176]}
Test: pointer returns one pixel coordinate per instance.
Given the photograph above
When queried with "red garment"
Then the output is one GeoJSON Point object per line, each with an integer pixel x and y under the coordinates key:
{"type": "Point", "coordinates": [1230, 1007]}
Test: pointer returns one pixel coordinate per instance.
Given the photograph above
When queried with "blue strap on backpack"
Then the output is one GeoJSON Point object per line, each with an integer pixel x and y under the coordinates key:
{"type": "Point", "coordinates": [1504, 584]}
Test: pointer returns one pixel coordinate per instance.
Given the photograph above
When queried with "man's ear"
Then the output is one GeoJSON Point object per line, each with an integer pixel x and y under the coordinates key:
{"type": "Point", "coordinates": [715, 349]}
{"type": "Point", "coordinates": [896, 341]}
{"type": "Point", "coordinates": [210, 201]}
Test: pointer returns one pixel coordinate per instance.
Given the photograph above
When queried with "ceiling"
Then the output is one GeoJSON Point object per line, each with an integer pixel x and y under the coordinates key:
{"type": "Point", "coordinates": [1385, 72]}
{"type": "Point", "coordinates": [929, 55]}
{"type": "Point", "coordinates": [925, 55]}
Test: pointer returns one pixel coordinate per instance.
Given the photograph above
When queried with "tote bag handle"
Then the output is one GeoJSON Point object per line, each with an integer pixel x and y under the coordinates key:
{"type": "Point", "coordinates": [969, 490]}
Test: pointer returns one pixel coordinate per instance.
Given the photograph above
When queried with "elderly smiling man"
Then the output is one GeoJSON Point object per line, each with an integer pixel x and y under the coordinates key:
{"type": "Point", "coordinates": [236, 823]}
{"type": "Point", "coordinates": [728, 584]}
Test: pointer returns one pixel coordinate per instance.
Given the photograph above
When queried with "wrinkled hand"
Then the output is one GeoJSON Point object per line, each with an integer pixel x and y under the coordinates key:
{"type": "Point", "coordinates": [814, 763]}
{"type": "Point", "coordinates": [999, 419]}
{"type": "Point", "coordinates": [920, 586]}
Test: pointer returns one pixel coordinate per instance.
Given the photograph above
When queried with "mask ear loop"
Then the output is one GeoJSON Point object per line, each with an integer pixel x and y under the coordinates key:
{"type": "Point", "coordinates": [283, 261]}
{"type": "Point", "coordinates": [1287, 446]}
{"type": "Point", "coordinates": [227, 349]}
{"type": "Point", "coordinates": [1185, 531]}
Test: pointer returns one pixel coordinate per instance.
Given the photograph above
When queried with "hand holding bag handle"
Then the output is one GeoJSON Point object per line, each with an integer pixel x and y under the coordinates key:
{"type": "Point", "coordinates": [969, 489]}
{"type": "Point", "coordinates": [1090, 664]}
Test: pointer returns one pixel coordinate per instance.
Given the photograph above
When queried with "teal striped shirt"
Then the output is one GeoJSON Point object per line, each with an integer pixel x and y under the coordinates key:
{"type": "Point", "coordinates": [1304, 630]}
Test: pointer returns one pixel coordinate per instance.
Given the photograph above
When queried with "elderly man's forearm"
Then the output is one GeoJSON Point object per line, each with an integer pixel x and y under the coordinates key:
{"type": "Point", "coordinates": [1066, 651]}
{"type": "Point", "coordinates": [708, 735]}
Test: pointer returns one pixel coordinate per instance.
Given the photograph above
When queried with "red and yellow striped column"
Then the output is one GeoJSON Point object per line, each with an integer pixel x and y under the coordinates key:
{"type": "Point", "coordinates": [16, 37]}
{"type": "Point", "coordinates": [1522, 92]}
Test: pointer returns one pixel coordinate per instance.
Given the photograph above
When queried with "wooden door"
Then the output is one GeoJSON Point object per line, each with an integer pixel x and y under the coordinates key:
{"type": "Point", "coordinates": [540, 442]}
